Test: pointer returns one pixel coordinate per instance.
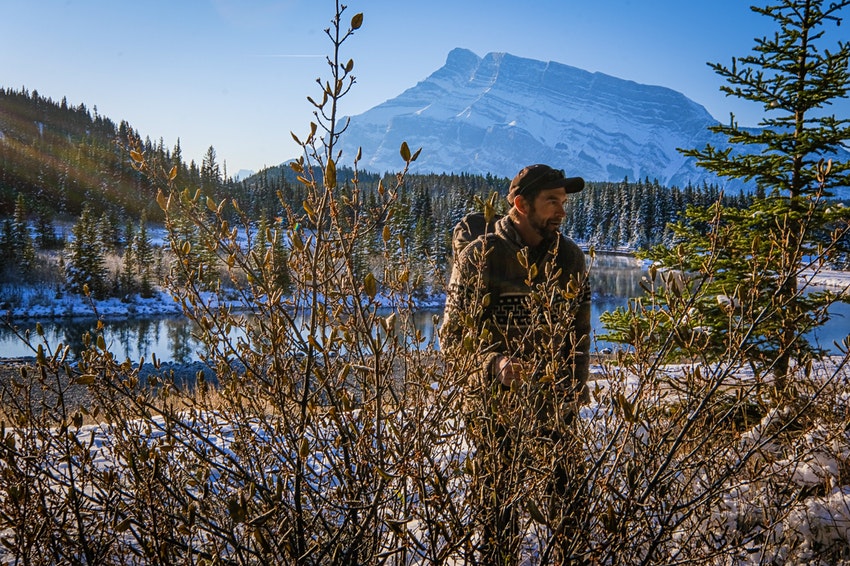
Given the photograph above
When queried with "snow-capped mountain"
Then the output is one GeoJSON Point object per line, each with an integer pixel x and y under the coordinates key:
{"type": "Point", "coordinates": [498, 113]}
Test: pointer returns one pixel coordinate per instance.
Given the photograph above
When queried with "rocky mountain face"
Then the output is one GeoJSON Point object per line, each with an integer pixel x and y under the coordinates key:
{"type": "Point", "coordinates": [498, 113]}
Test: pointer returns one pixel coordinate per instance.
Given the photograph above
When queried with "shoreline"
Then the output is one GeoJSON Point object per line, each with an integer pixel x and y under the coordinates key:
{"type": "Point", "coordinates": [69, 306]}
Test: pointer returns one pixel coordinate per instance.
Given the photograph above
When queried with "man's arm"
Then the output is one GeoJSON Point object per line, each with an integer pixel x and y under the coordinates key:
{"type": "Point", "coordinates": [582, 334]}
{"type": "Point", "coordinates": [464, 316]}
{"type": "Point", "coordinates": [578, 351]}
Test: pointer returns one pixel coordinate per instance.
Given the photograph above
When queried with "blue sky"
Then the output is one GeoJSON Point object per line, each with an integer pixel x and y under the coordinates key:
{"type": "Point", "coordinates": [235, 74]}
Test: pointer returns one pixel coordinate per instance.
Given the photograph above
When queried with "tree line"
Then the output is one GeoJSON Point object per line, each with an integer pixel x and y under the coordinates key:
{"type": "Point", "coordinates": [69, 164]}
{"type": "Point", "coordinates": [62, 157]}
{"type": "Point", "coordinates": [607, 216]}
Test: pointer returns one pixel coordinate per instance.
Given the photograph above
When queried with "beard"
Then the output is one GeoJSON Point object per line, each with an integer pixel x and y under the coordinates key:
{"type": "Point", "coordinates": [547, 229]}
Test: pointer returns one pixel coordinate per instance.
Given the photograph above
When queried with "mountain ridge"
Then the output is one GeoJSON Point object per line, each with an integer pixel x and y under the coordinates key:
{"type": "Point", "coordinates": [497, 113]}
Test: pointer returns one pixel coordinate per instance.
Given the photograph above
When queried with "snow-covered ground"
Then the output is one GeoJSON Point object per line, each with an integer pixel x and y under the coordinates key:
{"type": "Point", "coordinates": [817, 463]}
{"type": "Point", "coordinates": [34, 303]}
{"type": "Point", "coordinates": [39, 303]}
{"type": "Point", "coordinates": [813, 522]}
{"type": "Point", "coordinates": [837, 280]}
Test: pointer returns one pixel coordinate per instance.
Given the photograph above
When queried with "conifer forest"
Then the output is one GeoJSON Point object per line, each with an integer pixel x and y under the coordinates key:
{"type": "Point", "coordinates": [66, 172]}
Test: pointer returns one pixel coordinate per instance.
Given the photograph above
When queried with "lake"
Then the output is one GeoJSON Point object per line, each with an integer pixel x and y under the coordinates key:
{"type": "Point", "coordinates": [614, 280]}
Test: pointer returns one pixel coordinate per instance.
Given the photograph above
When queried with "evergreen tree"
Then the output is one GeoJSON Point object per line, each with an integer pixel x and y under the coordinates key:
{"type": "Point", "coordinates": [85, 263]}
{"type": "Point", "coordinates": [144, 258]}
{"type": "Point", "coordinates": [423, 218]}
{"type": "Point", "coordinates": [747, 292]}
{"type": "Point", "coordinates": [210, 172]}
{"type": "Point", "coordinates": [45, 234]}
{"type": "Point", "coordinates": [270, 256]}
{"type": "Point", "coordinates": [187, 235]}
{"type": "Point", "coordinates": [127, 282]}
{"type": "Point", "coordinates": [24, 251]}
{"type": "Point", "coordinates": [7, 246]}
{"type": "Point", "coordinates": [625, 203]}
{"type": "Point", "coordinates": [260, 246]}
{"type": "Point", "coordinates": [108, 233]}
{"type": "Point", "coordinates": [177, 155]}
{"type": "Point", "coordinates": [640, 217]}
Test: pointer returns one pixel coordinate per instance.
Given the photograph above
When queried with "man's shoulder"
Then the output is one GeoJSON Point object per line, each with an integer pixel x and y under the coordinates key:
{"type": "Point", "coordinates": [468, 229]}
{"type": "Point", "coordinates": [486, 251]}
{"type": "Point", "coordinates": [480, 243]}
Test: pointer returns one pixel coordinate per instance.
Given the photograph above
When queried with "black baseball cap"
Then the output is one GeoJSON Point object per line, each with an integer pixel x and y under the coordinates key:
{"type": "Point", "coordinates": [541, 177]}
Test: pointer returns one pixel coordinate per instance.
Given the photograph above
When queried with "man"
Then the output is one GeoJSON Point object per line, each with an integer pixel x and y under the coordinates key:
{"type": "Point", "coordinates": [517, 320]}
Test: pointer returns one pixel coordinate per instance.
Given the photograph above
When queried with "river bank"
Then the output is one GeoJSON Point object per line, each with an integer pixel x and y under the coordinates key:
{"type": "Point", "coordinates": [45, 302]}
{"type": "Point", "coordinates": [139, 328]}
{"type": "Point", "coordinates": [183, 375]}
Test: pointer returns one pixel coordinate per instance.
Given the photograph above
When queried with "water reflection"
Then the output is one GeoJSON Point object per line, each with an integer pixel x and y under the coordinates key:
{"type": "Point", "coordinates": [167, 337]}
{"type": "Point", "coordinates": [614, 276]}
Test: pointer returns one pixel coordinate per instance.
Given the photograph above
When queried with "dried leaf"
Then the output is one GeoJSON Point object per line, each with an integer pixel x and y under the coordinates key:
{"type": "Point", "coordinates": [161, 200]}
{"type": "Point", "coordinates": [370, 286]}
{"type": "Point", "coordinates": [85, 379]}
{"type": "Point", "coordinates": [330, 174]}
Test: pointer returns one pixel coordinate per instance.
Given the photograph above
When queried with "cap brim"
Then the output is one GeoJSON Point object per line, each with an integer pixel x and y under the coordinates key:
{"type": "Point", "coordinates": [571, 184]}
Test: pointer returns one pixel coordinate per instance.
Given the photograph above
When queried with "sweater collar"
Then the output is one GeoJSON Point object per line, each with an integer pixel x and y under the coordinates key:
{"type": "Point", "coordinates": [505, 227]}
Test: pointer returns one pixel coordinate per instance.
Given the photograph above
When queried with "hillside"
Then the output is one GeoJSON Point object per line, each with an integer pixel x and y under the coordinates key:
{"type": "Point", "coordinates": [59, 156]}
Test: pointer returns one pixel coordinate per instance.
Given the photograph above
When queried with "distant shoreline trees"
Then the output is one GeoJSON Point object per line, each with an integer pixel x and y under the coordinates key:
{"type": "Point", "coordinates": [625, 216]}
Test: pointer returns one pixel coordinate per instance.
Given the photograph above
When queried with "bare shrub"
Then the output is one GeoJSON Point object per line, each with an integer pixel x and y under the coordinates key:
{"type": "Point", "coordinates": [335, 433]}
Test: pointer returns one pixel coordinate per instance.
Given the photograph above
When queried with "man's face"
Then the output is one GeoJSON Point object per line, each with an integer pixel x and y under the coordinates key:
{"type": "Point", "coordinates": [546, 212]}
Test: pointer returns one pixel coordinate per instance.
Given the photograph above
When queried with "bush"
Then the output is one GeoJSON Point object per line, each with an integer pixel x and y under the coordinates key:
{"type": "Point", "coordinates": [334, 432]}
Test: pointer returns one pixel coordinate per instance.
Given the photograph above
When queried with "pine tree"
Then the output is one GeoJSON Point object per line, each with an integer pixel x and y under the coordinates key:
{"type": "Point", "coordinates": [144, 258]}
{"type": "Point", "coordinates": [260, 246]}
{"type": "Point", "coordinates": [127, 282]}
{"type": "Point", "coordinates": [45, 235]}
{"type": "Point", "coordinates": [7, 246]}
{"type": "Point", "coordinates": [270, 256]}
{"type": "Point", "coordinates": [747, 292]}
{"type": "Point", "coordinates": [186, 234]}
{"type": "Point", "coordinates": [24, 250]}
{"type": "Point", "coordinates": [210, 172]}
{"type": "Point", "coordinates": [85, 265]}
{"type": "Point", "coordinates": [177, 155]}
{"type": "Point", "coordinates": [107, 232]}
